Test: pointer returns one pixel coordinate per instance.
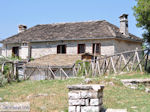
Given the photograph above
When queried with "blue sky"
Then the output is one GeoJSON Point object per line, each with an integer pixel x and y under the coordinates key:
{"type": "Point", "coordinates": [33, 12]}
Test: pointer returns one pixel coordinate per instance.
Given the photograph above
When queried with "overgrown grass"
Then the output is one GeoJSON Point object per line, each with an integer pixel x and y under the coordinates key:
{"type": "Point", "coordinates": [115, 94]}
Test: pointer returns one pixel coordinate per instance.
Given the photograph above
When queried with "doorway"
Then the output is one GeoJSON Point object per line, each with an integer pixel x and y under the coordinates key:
{"type": "Point", "coordinates": [15, 51]}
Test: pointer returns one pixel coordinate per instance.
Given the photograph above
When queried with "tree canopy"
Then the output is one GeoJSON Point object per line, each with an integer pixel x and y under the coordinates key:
{"type": "Point", "coordinates": [142, 14]}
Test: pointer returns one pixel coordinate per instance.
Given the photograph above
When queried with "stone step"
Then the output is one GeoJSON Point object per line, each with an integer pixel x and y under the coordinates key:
{"type": "Point", "coordinates": [116, 110]}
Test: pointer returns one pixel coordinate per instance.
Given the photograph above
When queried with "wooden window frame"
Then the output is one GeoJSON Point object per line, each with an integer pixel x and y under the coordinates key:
{"type": "Point", "coordinates": [65, 49]}
{"type": "Point", "coordinates": [93, 45]}
{"type": "Point", "coordinates": [84, 48]}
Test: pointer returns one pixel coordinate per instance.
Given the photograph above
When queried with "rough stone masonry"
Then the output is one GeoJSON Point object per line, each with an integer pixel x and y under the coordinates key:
{"type": "Point", "coordinates": [85, 98]}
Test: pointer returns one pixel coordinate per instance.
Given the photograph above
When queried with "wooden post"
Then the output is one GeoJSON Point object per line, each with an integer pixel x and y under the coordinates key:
{"type": "Point", "coordinates": [147, 54]}
{"type": "Point", "coordinates": [112, 62]}
{"type": "Point", "coordinates": [125, 62]}
{"type": "Point", "coordinates": [133, 61]}
{"type": "Point", "coordinates": [53, 74]}
{"type": "Point", "coordinates": [138, 59]}
{"type": "Point", "coordinates": [15, 69]}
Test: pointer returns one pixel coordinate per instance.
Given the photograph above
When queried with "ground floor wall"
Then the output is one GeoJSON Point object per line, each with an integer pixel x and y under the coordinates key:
{"type": "Point", "coordinates": [7, 50]}
{"type": "Point", "coordinates": [42, 49]}
{"type": "Point", "coordinates": [108, 47]}
{"type": "Point", "coordinates": [122, 46]}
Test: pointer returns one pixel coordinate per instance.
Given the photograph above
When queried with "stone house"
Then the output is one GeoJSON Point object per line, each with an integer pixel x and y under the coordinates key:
{"type": "Point", "coordinates": [100, 37]}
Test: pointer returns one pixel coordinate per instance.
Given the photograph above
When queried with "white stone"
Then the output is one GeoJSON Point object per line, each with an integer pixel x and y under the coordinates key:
{"type": "Point", "coordinates": [77, 102]}
{"type": "Point", "coordinates": [87, 80]}
{"type": "Point", "coordinates": [90, 109]}
{"type": "Point", "coordinates": [95, 102]}
{"type": "Point", "coordinates": [72, 109]}
{"type": "Point", "coordinates": [87, 102]}
{"type": "Point", "coordinates": [147, 90]}
{"type": "Point", "coordinates": [74, 94]}
{"type": "Point", "coordinates": [116, 110]}
{"type": "Point", "coordinates": [78, 109]}
{"type": "Point", "coordinates": [1, 98]}
{"type": "Point", "coordinates": [89, 94]}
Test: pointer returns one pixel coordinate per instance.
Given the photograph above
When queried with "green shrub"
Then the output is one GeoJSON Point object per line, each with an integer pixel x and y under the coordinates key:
{"type": "Point", "coordinates": [3, 80]}
{"type": "Point", "coordinates": [84, 68]}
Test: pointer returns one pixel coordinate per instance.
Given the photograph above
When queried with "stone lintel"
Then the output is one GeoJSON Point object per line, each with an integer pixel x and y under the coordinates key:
{"type": "Point", "coordinates": [86, 87]}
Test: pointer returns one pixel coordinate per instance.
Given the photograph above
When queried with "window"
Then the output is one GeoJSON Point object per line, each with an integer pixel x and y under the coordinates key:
{"type": "Point", "coordinates": [15, 51]}
{"type": "Point", "coordinates": [96, 48]}
{"type": "Point", "coordinates": [81, 48]}
{"type": "Point", "coordinates": [24, 44]}
{"type": "Point", "coordinates": [61, 49]}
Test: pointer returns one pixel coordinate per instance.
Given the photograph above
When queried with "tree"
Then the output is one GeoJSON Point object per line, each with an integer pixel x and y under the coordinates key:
{"type": "Point", "coordinates": [142, 14]}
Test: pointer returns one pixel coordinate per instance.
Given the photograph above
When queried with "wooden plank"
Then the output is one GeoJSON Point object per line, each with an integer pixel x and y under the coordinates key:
{"type": "Point", "coordinates": [140, 62]}
{"type": "Point", "coordinates": [134, 58]}
{"type": "Point", "coordinates": [107, 66]}
{"type": "Point", "coordinates": [138, 59]}
{"type": "Point", "coordinates": [98, 67]}
{"type": "Point", "coordinates": [60, 74]}
{"type": "Point", "coordinates": [112, 62]}
{"type": "Point", "coordinates": [117, 61]}
{"type": "Point", "coordinates": [52, 72]}
{"type": "Point", "coordinates": [125, 62]}
{"type": "Point", "coordinates": [31, 74]}
{"type": "Point", "coordinates": [64, 73]}
{"type": "Point", "coordinates": [145, 66]}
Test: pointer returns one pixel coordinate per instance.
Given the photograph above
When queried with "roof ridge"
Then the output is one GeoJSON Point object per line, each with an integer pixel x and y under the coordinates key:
{"type": "Point", "coordinates": [71, 22]}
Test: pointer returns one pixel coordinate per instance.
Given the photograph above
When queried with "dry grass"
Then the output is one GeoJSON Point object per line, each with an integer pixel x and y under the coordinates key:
{"type": "Point", "coordinates": [115, 94]}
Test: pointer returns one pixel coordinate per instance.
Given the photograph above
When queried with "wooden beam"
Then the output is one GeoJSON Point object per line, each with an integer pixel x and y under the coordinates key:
{"type": "Point", "coordinates": [125, 62]}
{"type": "Point", "coordinates": [126, 65]}
{"type": "Point", "coordinates": [64, 73]}
{"type": "Point", "coordinates": [138, 59]}
{"type": "Point", "coordinates": [112, 62]}
{"type": "Point", "coordinates": [52, 72]}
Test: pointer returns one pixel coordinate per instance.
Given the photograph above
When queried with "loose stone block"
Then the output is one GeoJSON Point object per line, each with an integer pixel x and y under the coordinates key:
{"type": "Point", "coordinates": [116, 110]}
{"type": "Point", "coordinates": [78, 109]}
{"type": "Point", "coordinates": [87, 102]}
{"type": "Point", "coordinates": [72, 109]}
{"type": "Point", "coordinates": [95, 102]}
{"type": "Point", "coordinates": [74, 95]}
{"type": "Point", "coordinates": [77, 102]}
{"type": "Point", "coordinates": [89, 94]}
{"type": "Point", "coordinates": [90, 109]}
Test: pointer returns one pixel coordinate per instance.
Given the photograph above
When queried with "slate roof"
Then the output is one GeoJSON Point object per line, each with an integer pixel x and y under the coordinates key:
{"type": "Point", "coordinates": [70, 31]}
{"type": "Point", "coordinates": [55, 60]}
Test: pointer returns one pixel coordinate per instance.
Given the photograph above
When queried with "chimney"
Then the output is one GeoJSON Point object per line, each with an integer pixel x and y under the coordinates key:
{"type": "Point", "coordinates": [21, 28]}
{"type": "Point", "coordinates": [124, 24]}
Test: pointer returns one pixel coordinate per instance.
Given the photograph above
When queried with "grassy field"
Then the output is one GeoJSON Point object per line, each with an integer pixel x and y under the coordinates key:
{"type": "Point", "coordinates": [115, 94]}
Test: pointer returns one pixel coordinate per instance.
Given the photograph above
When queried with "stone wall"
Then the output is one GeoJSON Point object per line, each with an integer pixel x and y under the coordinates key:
{"type": "Point", "coordinates": [42, 49]}
{"type": "Point", "coordinates": [108, 47]}
{"type": "Point", "coordinates": [121, 46]}
{"type": "Point", "coordinates": [85, 98]}
{"type": "Point", "coordinates": [7, 50]}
